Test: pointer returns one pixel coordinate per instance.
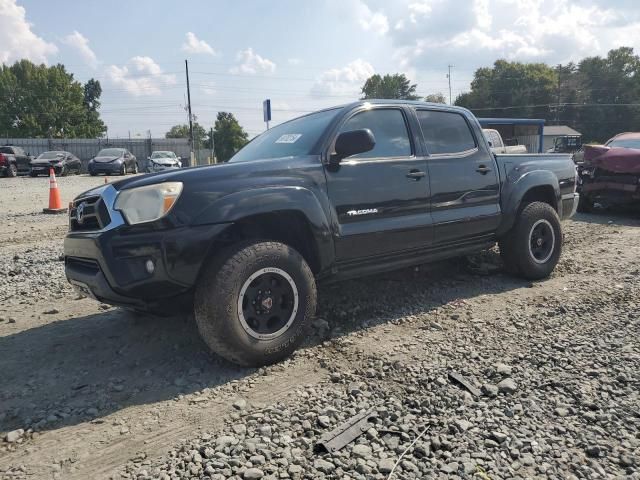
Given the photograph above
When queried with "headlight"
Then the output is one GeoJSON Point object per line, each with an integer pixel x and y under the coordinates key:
{"type": "Point", "coordinates": [146, 204]}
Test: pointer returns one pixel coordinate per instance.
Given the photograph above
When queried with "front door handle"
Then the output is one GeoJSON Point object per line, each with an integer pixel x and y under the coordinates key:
{"type": "Point", "coordinates": [416, 174]}
{"type": "Point", "coordinates": [483, 169]}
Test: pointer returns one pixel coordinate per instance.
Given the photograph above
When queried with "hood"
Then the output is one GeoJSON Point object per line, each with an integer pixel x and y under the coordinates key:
{"type": "Point", "coordinates": [230, 176]}
{"type": "Point", "coordinates": [46, 161]}
{"type": "Point", "coordinates": [107, 159]}
{"type": "Point", "coordinates": [613, 159]}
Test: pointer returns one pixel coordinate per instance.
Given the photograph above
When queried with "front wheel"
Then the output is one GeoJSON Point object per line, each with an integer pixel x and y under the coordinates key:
{"type": "Point", "coordinates": [135, 168]}
{"type": "Point", "coordinates": [12, 171]}
{"type": "Point", "coordinates": [533, 246]}
{"type": "Point", "coordinates": [123, 169]}
{"type": "Point", "coordinates": [254, 304]}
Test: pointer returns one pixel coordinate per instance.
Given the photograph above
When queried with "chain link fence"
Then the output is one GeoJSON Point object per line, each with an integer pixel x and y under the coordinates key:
{"type": "Point", "coordinates": [87, 148]}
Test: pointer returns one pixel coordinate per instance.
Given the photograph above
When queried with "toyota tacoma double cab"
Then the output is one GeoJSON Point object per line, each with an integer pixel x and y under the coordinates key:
{"type": "Point", "coordinates": [342, 192]}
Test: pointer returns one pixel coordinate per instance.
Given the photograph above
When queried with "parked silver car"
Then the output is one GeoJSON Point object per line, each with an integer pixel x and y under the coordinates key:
{"type": "Point", "coordinates": [163, 160]}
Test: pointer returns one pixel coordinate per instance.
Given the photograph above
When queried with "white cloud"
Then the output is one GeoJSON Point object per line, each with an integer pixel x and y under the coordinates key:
{"type": "Point", "coordinates": [427, 35]}
{"type": "Point", "coordinates": [17, 41]}
{"type": "Point", "coordinates": [346, 80]}
{"type": "Point", "coordinates": [81, 43]}
{"type": "Point", "coordinates": [369, 20]}
{"type": "Point", "coordinates": [140, 76]}
{"type": "Point", "coordinates": [251, 63]}
{"type": "Point", "coordinates": [194, 45]}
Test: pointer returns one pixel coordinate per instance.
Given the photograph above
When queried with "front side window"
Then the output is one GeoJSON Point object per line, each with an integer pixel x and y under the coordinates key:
{"type": "Point", "coordinates": [389, 129]}
{"type": "Point", "coordinates": [445, 132]}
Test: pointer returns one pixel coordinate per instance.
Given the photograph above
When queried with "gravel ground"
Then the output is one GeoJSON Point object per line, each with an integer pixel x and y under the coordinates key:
{"type": "Point", "coordinates": [87, 391]}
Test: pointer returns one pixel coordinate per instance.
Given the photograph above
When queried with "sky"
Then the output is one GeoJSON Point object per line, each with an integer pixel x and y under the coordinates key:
{"type": "Point", "coordinates": [303, 55]}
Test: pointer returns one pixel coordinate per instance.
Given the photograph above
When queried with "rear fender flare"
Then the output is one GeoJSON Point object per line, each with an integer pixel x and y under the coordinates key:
{"type": "Point", "coordinates": [515, 191]}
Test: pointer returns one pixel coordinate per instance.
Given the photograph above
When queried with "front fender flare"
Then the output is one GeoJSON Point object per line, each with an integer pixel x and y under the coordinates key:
{"type": "Point", "coordinates": [246, 203]}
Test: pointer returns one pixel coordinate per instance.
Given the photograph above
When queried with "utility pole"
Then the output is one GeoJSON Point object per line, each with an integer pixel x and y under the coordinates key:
{"type": "Point", "coordinates": [186, 67]}
{"type": "Point", "coordinates": [213, 148]}
{"type": "Point", "coordinates": [449, 77]}
{"type": "Point", "coordinates": [558, 96]}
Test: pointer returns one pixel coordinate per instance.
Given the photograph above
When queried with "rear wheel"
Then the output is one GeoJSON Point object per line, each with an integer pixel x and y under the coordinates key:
{"type": "Point", "coordinates": [254, 304]}
{"type": "Point", "coordinates": [533, 246]}
{"type": "Point", "coordinates": [135, 168]}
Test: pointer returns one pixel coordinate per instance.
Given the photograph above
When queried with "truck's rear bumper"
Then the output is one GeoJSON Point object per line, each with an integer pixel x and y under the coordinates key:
{"type": "Point", "coordinates": [569, 205]}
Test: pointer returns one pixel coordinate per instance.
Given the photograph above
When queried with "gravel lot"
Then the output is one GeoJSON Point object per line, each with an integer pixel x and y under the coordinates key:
{"type": "Point", "coordinates": [88, 391]}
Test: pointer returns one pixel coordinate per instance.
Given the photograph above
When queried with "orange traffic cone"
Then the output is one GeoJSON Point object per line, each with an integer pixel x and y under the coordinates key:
{"type": "Point", "coordinates": [55, 203]}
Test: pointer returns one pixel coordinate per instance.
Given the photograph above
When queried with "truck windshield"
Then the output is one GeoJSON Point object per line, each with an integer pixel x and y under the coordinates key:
{"type": "Point", "coordinates": [290, 139]}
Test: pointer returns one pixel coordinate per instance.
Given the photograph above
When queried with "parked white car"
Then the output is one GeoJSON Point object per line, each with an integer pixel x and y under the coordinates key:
{"type": "Point", "coordinates": [161, 160]}
{"type": "Point", "coordinates": [497, 145]}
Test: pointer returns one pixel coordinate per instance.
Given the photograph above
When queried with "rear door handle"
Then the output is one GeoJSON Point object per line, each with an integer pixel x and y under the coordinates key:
{"type": "Point", "coordinates": [483, 169]}
{"type": "Point", "coordinates": [416, 174]}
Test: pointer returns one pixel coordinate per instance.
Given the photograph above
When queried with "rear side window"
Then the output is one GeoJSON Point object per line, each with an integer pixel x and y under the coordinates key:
{"type": "Point", "coordinates": [445, 132]}
{"type": "Point", "coordinates": [388, 128]}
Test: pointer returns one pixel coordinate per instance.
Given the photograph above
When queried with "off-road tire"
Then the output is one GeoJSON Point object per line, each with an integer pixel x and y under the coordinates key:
{"type": "Point", "coordinates": [218, 291]}
{"type": "Point", "coordinates": [515, 245]}
{"type": "Point", "coordinates": [12, 170]}
{"type": "Point", "coordinates": [585, 204]}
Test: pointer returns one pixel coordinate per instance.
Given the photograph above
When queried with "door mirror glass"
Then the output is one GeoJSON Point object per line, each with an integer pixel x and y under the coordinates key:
{"type": "Point", "coordinates": [353, 142]}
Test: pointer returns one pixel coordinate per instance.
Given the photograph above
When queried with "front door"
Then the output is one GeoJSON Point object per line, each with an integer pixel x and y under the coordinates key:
{"type": "Point", "coordinates": [380, 197]}
{"type": "Point", "coordinates": [465, 192]}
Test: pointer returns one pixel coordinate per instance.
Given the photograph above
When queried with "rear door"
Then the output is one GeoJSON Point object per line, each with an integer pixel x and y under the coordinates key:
{"type": "Point", "coordinates": [23, 162]}
{"type": "Point", "coordinates": [380, 197]}
{"type": "Point", "coordinates": [465, 192]}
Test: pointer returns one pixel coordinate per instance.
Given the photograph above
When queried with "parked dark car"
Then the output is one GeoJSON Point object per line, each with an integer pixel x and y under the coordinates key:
{"type": "Point", "coordinates": [343, 192]}
{"type": "Point", "coordinates": [113, 161]}
{"type": "Point", "coordinates": [609, 174]}
{"type": "Point", "coordinates": [163, 160]}
{"type": "Point", "coordinates": [14, 160]}
{"type": "Point", "coordinates": [63, 163]}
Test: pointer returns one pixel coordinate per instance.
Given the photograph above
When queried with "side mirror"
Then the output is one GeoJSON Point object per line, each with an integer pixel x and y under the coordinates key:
{"type": "Point", "coordinates": [352, 143]}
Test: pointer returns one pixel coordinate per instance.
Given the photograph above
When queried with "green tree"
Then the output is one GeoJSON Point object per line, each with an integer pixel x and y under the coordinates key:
{"type": "Point", "coordinates": [228, 135]}
{"type": "Point", "coordinates": [435, 98]}
{"type": "Point", "coordinates": [40, 101]}
{"type": "Point", "coordinates": [610, 94]}
{"type": "Point", "coordinates": [182, 131]}
{"type": "Point", "coordinates": [511, 89]}
{"type": "Point", "coordinates": [396, 86]}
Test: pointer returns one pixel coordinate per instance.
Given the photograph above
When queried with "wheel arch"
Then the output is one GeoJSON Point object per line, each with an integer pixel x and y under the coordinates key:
{"type": "Point", "coordinates": [536, 186]}
{"type": "Point", "coordinates": [290, 215]}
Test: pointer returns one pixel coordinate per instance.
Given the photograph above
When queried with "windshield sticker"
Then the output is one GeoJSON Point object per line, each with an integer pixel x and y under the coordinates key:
{"type": "Point", "coordinates": [289, 138]}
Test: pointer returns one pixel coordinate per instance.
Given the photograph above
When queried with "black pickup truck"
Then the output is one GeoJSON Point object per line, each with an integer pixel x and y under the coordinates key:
{"type": "Point", "coordinates": [343, 192]}
{"type": "Point", "coordinates": [14, 160]}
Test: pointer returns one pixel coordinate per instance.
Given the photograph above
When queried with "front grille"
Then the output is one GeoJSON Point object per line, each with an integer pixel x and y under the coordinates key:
{"type": "Point", "coordinates": [94, 214]}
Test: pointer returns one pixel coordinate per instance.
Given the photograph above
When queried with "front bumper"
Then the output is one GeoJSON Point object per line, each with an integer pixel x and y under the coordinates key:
{"type": "Point", "coordinates": [105, 167]}
{"type": "Point", "coordinates": [155, 167]}
{"type": "Point", "coordinates": [43, 169]}
{"type": "Point", "coordinates": [110, 264]}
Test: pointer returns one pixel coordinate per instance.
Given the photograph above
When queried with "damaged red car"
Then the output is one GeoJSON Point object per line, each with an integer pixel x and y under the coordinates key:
{"type": "Point", "coordinates": [609, 174]}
